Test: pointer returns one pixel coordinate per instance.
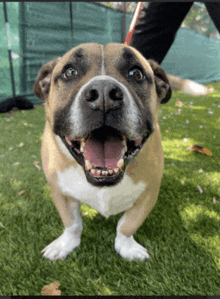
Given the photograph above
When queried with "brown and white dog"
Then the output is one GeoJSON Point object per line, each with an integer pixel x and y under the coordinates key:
{"type": "Point", "coordinates": [102, 143]}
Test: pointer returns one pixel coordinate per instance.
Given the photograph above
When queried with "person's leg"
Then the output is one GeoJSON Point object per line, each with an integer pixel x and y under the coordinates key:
{"type": "Point", "coordinates": [157, 26]}
{"type": "Point", "coordinates": [213, 9]}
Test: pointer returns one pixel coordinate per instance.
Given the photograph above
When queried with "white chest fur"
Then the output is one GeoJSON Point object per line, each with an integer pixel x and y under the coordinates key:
{"type": "Point", "coordinates": [107, 200]}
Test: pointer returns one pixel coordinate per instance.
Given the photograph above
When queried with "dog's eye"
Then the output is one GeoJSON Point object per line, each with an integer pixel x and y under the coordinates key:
{"type": "Point", "coordinates": [136, 73]}
{"type": "Point", "coordinates": [70, 72]}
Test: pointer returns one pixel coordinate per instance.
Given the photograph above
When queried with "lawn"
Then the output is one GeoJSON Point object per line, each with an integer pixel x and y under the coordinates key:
{"type": "Point", "coordinates": [181, 233]}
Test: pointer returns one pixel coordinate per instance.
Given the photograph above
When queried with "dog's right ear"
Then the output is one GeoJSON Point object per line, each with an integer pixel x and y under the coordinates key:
{"type": "Point", "coordinates": [42, 82]}
{"type": "Point", "coordinates": [163, 88]}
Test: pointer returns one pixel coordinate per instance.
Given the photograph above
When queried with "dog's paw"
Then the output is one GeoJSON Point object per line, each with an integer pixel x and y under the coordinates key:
{"type": "Point", "coordinates": [60, 248]}
{"type": "Point", "coordinates": [129, 249]}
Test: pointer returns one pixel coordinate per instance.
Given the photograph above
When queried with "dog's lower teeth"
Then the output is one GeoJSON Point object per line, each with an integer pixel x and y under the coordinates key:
{"type": "Point", "coordinates": [103, 172]}
{"type": "Point", "coordinates": [88, 165]}
{"type": "Point", "coordinates": [120, 163]}
{"type": "Point", "coordinates": [116, 170]}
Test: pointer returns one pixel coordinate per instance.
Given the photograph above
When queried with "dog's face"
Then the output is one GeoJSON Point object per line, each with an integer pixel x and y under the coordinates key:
{"type": "Point", "coordinates": [102, 101]}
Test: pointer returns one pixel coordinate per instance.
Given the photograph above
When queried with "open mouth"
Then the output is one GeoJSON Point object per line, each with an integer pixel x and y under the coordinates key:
{"type": "Point", "coordinates": [104, 154]}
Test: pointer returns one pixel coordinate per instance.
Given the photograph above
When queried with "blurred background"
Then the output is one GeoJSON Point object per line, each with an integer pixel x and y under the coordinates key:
{"type": "Point", "coordinates": [40, 31]}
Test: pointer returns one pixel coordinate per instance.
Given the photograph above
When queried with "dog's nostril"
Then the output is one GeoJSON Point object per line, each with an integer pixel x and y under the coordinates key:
{"type": "Point", "coordinates": [91, 95]}
{"type": "Point", "coordinates": [116, 94]}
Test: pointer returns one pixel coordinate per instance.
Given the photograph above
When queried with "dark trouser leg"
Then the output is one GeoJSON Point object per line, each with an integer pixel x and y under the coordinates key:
{"type": "Point", "coordinates": [157, 26]}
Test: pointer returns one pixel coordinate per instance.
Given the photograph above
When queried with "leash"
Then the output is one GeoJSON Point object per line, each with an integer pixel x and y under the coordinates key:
{"type": "Point", "coordinates": [133, 23]}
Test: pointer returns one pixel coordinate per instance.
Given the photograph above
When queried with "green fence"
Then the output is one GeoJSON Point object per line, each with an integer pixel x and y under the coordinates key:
{"type": "Point", "coordinates": [43, 30]}
{"type": "Point", "coordinates": [5, 81]}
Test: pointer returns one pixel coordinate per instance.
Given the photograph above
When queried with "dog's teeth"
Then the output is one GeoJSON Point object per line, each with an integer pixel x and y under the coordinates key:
{"type": "Point", "coordinates": [110, 171]}
{"type": "Point", "coordinates": [67, 140]}
{"type": "Point", "coordinates": [125, 145]}
{"type": "Point", "coordinates": [82, 146]}
{"type": "Point", "coordinates": [88, 165]}
{"type": "Point", "coordinates": [120, 163]}
{"type": "Point", "coordinates": [98, 171]}
{"type": "Point", "coordinates": [92, 171]}
{"type": "Point", "coordinates": [104, 172]}
{"type": "Point", "coordinates": [116, 170]}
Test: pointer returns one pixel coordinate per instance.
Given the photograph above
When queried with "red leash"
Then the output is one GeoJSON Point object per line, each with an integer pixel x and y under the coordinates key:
{"type": "Point", "coordinates": [133, 23]}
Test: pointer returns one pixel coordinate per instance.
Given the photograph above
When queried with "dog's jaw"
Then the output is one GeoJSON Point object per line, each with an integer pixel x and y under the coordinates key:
{"type": "Point", "coordinates": [104, 154]}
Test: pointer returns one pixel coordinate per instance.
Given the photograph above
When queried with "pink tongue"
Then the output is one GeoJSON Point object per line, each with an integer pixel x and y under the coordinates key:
{"type": "Point", "coordinates": [103, 153]}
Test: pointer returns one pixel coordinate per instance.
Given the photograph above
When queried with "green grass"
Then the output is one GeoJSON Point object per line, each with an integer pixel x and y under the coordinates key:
{"type": "Point", "coordinates": [181, 233]}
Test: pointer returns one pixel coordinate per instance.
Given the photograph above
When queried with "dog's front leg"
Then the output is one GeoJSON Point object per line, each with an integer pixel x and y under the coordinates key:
{"type": "Point", "coordinates": [68, 209]}
{"type": "Point", "coordinates": [125, 244]}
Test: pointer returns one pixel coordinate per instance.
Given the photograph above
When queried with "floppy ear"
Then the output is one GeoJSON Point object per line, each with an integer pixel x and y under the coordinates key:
{"type": "Point", "coordinates": [42, 83]}
{"type": "Point", "coordinates": [163, 88]}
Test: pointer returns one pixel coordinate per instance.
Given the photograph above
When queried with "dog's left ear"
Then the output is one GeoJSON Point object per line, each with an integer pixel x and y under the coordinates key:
{"type": "Point", "coordinates": [163, 88]}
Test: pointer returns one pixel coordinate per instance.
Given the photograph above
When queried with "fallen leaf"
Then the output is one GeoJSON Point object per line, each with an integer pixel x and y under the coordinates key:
{"type": "Point", "coordinates": [210, 88]}
{"type": "Point", "coordinates": [166, 131]}
{"type": "Point", "coordinates": [201, 171]}
{"type": "Point", "coordinates": [1, 156]}
{"type": "Point", "coordinates": [16, 163]}
{"type": "Point", "coordinates": [21, 144]}
{"type": "Point", "coordinates": [210, 112]}
{"type": "Point", "coordinates": [21, 192]}
{"type": "Point", "coordinates": [214, 200]}
{"type": "Point", "coordinates": [185, 139]}
{"type": "Point", "coordinates": [51, 289]}
{"type": "Point", "coordinates": [1, 224]}
{"type": "Point", "coordinates": [200, 149]}
{"type": "Point", "coordinates": [179, 103]}
{"type": "Point", "coordinates": [10, 148]}
{"type": "Point", "coordinates": [25, 124]}
{"type": "Point", "coordinates": [200, 189]}
{"type": "Point", "coordinates": [36, 165]}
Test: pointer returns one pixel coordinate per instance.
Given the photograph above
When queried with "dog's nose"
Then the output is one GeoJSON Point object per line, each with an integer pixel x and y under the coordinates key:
{"type": "Point", "coordinates": [104, 95]}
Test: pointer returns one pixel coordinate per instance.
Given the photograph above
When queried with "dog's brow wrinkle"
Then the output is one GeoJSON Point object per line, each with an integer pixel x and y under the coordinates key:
{"type": "Point", "coordinates": [127, 54]}
{"type": "Point", "coordinates": [79, 53]}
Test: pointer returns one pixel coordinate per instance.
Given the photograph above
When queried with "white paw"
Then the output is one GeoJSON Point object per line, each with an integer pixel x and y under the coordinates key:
{"type": "Point", "coordinates": [129, 249]}
{"type": "Point", "coordinates": [60, 248]}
